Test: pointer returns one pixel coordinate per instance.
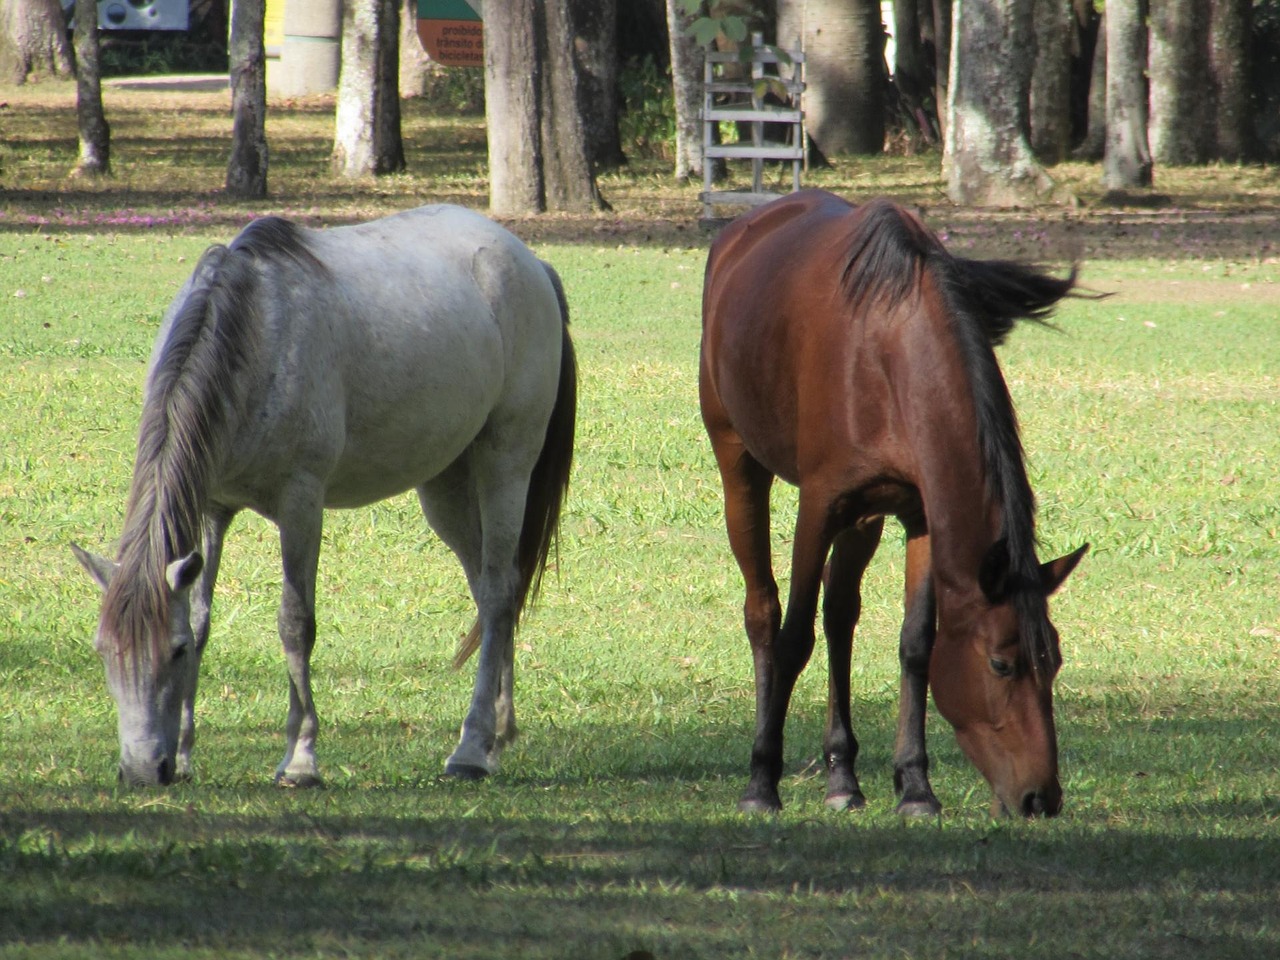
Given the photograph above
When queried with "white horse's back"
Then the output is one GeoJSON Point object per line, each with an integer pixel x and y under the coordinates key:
{"type": "Point", "coordinates": [301, 369]}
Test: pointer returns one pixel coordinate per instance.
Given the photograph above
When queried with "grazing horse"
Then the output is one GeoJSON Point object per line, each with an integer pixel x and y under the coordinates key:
{"type": "Point", "coordinates": [301, 369]}
{"type": "Point", "coordinates": [847, 352]}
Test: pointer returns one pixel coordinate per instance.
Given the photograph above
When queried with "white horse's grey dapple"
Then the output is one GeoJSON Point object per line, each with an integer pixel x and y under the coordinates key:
{"type": "Point", "coordinates": [301, 369]}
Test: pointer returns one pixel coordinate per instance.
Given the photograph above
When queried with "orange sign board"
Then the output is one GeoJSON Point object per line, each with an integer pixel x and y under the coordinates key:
{"type": "Point", "coordinates": [451, 32]}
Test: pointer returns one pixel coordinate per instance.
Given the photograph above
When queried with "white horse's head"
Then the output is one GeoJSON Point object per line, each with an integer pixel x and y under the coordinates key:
{"type": "Point", "coordinates": [146, 643]}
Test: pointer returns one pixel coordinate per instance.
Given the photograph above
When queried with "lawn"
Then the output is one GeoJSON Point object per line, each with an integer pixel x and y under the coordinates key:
{"type": "Point", "coordinates": [1150, 420]}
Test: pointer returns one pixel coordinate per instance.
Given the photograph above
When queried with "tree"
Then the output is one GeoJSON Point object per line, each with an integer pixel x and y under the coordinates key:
{"type": "Point", "coordinates": [1051, 82]}
{"type": "Point", "coordinates": [1179, 69]}
{"type": "Point", "coordinates": [1230, 30]}
{"type": "Point", "coordinates": [388, 141]}
{"type": "Point", "coordinates": [414, 62]}
{"type": "Point", "coordinates": [247, 167]}
{"type": "Point", "coordinates": [33, 40]}
{"type": "Point", "coordinates": [1093, 124]}
{"type": "Point", "coordinates": [844, 71]}
{"type": "Point", "coordinates": [988, 158]}
{"type": "Point", "coordinates": [367, 119]}
{"type": "Point", "coordinates": [686, 79]}
{"type": "Point", "coordinates": [95, 134]}
{"type": "Point", "coordinates": [595, 51]}
{"type": "Point", "coordinates": [910, 73]}
{"type": "Point", "coordinates": [1126, 161]}
{"type": "Point", "coordinates": [537, 145]}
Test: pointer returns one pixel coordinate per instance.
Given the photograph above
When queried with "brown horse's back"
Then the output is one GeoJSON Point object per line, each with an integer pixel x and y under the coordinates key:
{"type": "Point", "coordinates": [773, 315]}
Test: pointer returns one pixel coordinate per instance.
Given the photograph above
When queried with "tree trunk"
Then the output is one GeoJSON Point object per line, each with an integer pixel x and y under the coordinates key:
{"type": "Point", "coordinates": [1051, 82]}
{"type": "Point", "coordinates": [686, 78]}
{"type": "Point", "coordinates": [1179, 68]}
{"type": "Point", "coordinates": [844, 72]}
{"type": "Point", "coordinates": [414, 62]}
{"type": "Point", "coordinates": [942, 24]}
{"type": "Point", "coordinates": [909, 69]}
{"type": "Point", "coordinates": [1229, 68]}
{"type": "Point", "coordinates": [595, 49]}
{"type": "Point", "coordinates": [388, 144]}
{"type": "Point", "coordinates": [1094, 125]}
{"type": "Point", "coordinates": [247, 167]}
{"type": "Point", "coordinates": [33, 41]}
{"type": "Point", "coordinates": [353, 154]}
{"type": "Point", "coordinates": [988, 158]}
{"type": "Point", "coordinates": [95, 134]}
{"type": "Point", "coordinates": [537, 147]}
{"type": "Point", "coordinates": [1127, 159]}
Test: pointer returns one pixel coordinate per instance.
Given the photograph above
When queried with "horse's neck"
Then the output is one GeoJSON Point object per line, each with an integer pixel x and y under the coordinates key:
{"type": "Point", "coordinates": [937, 403]}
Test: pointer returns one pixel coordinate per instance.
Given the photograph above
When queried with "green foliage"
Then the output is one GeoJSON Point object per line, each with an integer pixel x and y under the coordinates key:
{"type": "Point", "coordinates": [647, 122]}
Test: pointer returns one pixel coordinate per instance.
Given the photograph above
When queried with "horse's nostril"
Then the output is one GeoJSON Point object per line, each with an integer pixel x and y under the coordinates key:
{"type": "Point", "coordinates": [164, 773]}
{"type": "Point", "coordinates": [119, 774]}
{"type": "Point", "coordinates": [1033, 804]}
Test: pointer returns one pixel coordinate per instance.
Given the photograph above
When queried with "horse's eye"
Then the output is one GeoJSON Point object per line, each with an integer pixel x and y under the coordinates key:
{"type": "Point", "coordinates": [179, 652]}
{"type": "Point", "coordinates": [1001, 668]}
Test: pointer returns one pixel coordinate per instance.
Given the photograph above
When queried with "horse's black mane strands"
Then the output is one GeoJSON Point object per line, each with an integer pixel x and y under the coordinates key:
{"type": "Point", "coordinates": [889, 251]}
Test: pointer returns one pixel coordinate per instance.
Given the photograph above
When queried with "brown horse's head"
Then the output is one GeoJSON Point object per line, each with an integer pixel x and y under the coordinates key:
{"type": "Point", "coordinates": [992, 671]}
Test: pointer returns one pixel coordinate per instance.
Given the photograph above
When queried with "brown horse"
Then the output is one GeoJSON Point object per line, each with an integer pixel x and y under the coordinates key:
{"type": "Point", "coordinates": [847, 352]}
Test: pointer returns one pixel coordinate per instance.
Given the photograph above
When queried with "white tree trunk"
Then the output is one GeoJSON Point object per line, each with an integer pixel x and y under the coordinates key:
{"type": "Point", "coordinates": [988, 159]}
{"type": "Point", "coordinates": [33, 40]}
{"type": "Point", "coordinates": [1126, 159]}
{"type": "Point", "coordinates": [686, 76]}
{"type": "Point", "coordinates": [353, 153]}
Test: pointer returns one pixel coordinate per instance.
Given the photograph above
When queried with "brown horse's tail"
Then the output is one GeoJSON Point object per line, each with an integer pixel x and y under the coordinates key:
{"type": "Point", "coordinates": [548, 484]}
{"type": "Point", "coordinates": [1001, 292]}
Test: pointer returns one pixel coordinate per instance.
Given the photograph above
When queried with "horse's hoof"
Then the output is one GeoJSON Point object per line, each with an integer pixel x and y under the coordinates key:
{"type": "Point", "coordinates": [307, 781]}
{"type": "Point", "coordinates": [845, 801]}
{"type": "Point", "coordinates": [754, 805]}
{"type": "Point", "coordinates": [929, 807]}
{"type": "Point", "coordinates": [465, 771]}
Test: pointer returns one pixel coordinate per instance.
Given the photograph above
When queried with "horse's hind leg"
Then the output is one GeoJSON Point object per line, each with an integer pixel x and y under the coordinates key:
{"type": "Point", "coordinates": [746, 513]}
{"type": "Point", "coordinates": [300, 527]}
{"type": "Point", "coordinates": [841, 605]}
{"type": "Point", "coordinates": [792, 648]}
{"type": "Point", "coordinates": [484, 541]}
{"type": "Point", "coordinates": [910, 758]}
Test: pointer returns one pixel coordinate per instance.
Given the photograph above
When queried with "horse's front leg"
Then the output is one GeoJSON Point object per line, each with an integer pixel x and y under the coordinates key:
{"type": "Point", "coordinates": [300, 528]}
{"type": "Point", "coordinates": [910, 758]}
{"type": "Point", "coordinates": [215, 531]}
{"type": "Point", "coordinates": [841, 605]}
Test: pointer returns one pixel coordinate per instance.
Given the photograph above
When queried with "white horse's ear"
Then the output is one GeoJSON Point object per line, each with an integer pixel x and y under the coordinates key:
{"type": "Point", "coordinates": [100, 568]}
{"type": "Point", "coordinates": [182, 573]}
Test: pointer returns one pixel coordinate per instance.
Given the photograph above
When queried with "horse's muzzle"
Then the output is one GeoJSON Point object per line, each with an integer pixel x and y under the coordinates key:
{"type": "Point", "coordinates": [162, 776]}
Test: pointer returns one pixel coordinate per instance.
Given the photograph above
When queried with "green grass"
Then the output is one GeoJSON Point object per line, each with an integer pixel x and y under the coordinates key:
{"type": "Point", "coordinates": [1150, 423]}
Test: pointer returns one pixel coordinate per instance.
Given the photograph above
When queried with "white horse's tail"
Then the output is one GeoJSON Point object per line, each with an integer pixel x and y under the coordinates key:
{"type": "Point", "coordinates": [548, 484]}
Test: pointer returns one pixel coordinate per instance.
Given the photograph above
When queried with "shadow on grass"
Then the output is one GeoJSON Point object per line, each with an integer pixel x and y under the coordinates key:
{"type": "Point", "coordinates": [567, 887]}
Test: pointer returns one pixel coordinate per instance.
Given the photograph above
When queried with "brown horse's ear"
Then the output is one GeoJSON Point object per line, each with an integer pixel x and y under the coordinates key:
{"type": "Point", "coordinates": [993, 575]}
{"type": "Point", "coordinates": [1053, 573]}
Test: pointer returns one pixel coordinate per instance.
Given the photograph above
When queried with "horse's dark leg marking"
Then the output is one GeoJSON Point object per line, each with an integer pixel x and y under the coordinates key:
{"type": "Point", "coordinates": [910, 758]}
{"type": "Point", "coordinates": [841, 605]}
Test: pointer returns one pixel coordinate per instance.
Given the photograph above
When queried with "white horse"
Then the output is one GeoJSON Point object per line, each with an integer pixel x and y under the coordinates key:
{"type": "Point", "coordinates": [301, 369]}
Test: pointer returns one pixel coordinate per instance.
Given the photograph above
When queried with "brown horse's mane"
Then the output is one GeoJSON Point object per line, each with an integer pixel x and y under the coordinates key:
{"type": "Point", "coordinates": [185, 418]}
{"type": "Point", "coordinates": [889, 251]}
